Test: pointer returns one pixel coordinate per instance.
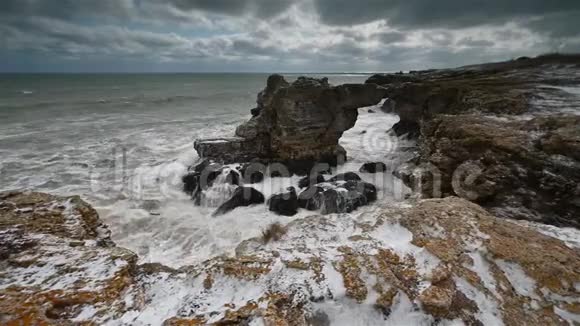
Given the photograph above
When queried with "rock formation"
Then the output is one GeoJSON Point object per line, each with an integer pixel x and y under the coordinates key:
{"type": "Point", "coordinates": [436, 261]}
{"type": "Point", "coordinates": [504, 135]}
{"type": "Point", "coordinates": [296, 124]}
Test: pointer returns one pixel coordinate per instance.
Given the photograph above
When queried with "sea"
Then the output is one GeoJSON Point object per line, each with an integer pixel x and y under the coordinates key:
{"type": "Point", "coordinates": [123, 142]}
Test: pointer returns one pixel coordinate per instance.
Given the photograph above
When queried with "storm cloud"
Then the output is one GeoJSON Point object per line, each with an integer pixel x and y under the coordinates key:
{"type": "Point", "coordinates": [278, 35]}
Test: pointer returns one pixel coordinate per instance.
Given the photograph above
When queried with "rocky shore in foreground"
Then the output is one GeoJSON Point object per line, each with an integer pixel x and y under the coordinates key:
{"type": "Point", "coordinates": [497, 142]}
{"type": "Point", "coordinates": [434, 261]}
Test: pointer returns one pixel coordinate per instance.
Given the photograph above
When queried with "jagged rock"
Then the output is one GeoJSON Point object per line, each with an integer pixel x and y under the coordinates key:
{"type": "Point", "coordinates": [285, 203]}
{"type": "Point", "coordinates": [348, 176]}
{"type": "Point", "coordinates": [517, 169]}
{"type": "Point", "coordinates": [299, 124]}
{"type": "Point", "coordinates": [337, 197]}
{"type": "Point", "coordinates": [309, 180]}
{"type": "Point", "coordinates": [243, 196]}
{"type": "Point", "coordinates": [373, 167]}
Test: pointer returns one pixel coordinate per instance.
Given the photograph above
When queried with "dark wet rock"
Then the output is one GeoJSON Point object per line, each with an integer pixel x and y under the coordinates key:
{"type": "Point", "coordinates": [299, 124]}
{"type": "Point", "coordinates": [190, 183]}
{"type": "Point", "coordinates": [409, 129]}
{"type": "Point", "coordinates": [388, 106]}
{"type": "Point", "coordinates": [285, 203]}
{"type": "Point", "coordinates": [201, 177]}
{"type": "Point", "coordinates": [337, 197]}
{"type": "Point", "coordinates": [255, 111]}
{"type": "Point", "coordinates": [347, 176]}
{"type": "Point", "coordinates": [373, 167]}
{"type": "Point", "coordinates": [310, 180]}
{"type": "Point", "coordinates": [233, 178]}
{"type": "Point", "coordinates": [371, 111]}
{"type": "Point", "coordinates": [243, 196]}
{"type": "Point", "coordinates": [253, 172]}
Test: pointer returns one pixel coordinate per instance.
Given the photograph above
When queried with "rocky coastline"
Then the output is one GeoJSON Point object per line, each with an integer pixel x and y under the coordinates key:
{"type": "Point", "coordinates": [495, 143]}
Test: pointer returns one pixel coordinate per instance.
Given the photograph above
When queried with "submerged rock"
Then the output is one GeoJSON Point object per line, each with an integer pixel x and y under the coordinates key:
{"type": "Point", "coordinates": [243, 196]}
{"type": "Point", "coordinates": [310, 180]}
{"type": "Point", "coordinates": [347, 176]}
{"type": "Point", "coordinates": [285, 203]}
{"type": "Point", "coordinates": [337, 197]}
{"type": "Point", "coordinates": [298, 125]}
{"type": "Point", "coordinates": [373, 167]}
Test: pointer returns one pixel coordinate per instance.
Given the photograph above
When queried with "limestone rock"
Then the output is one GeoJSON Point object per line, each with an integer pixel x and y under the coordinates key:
{"type": "Point", "coordinates": [517, 169]}
{"type": "Point", "coordinates": [298, 124]}
{"type": "Point", "coordinates": [479, 270]}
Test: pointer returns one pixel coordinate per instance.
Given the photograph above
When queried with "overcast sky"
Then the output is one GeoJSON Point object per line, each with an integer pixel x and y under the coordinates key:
{"type": "Point", "coordinates": [278, 35]}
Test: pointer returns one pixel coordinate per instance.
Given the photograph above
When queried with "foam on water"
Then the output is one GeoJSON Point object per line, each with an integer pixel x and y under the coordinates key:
{"type": "Point", "coordinates": [123, 143]}
{"type": "Point", "coordinates": [179, 233]}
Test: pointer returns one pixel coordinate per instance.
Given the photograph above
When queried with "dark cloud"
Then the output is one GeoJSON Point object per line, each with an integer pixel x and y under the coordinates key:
{"type": "Point", "coordinates": [68, 9]}
{"type": "Point", "coordinates": [442, 13]}
{"type": "Point", "coordinates": [287, 35]}
{"type": "Point", "coordinates": [562, 24]}
{"type": "Point", "coordinates": [259, 8]}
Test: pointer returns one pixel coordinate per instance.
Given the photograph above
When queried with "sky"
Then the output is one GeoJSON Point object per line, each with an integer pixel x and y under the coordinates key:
{"type": "Point", "coordinates": [278, 35]}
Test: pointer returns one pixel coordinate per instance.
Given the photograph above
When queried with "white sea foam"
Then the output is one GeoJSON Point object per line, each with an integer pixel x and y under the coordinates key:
{"type": "Point", "coordinates": [181, 233]}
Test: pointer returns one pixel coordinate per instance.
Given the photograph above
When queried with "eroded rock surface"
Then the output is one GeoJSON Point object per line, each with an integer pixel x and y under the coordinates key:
{"type": "Point", "coordinates": [297, 124]}
{"type": "Point", "coordinates": [57, 262]}
{"type": "Point", "coordinates": [435, 261]}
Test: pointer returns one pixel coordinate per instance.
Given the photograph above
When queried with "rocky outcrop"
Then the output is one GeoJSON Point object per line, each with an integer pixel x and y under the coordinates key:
{"type": "Point", "coordinates": [296, 124]}
{"type": "Point", "coordinates": [506, 88]}
{"type": "Point", "coordinates": [436, 261]}
{"type": "Point", "coordinates": [519, 169]}
{"type": "Point", "coordinates": [504, 135]}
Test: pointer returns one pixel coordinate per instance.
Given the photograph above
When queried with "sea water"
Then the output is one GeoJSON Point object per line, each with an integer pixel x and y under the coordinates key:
{"type": "Point", "coordinates": [123, 142]}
